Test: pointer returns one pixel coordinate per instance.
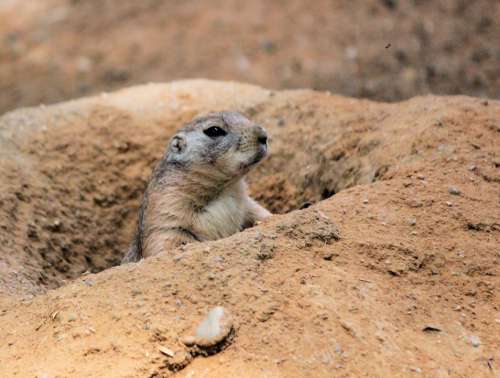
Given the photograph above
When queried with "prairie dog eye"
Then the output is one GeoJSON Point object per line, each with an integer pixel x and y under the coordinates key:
{"type": "Point", "coordinates": [214, 132]}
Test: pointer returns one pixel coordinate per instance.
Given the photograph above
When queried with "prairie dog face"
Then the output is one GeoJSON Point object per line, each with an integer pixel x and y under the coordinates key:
{"type": "Point", "coordinates": [226, 144]}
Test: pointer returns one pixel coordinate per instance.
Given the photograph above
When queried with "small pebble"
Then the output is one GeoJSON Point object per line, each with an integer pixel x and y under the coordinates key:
{"type": "Point", "coordinates": [474, 340]}
{"type": "Point", "coordinates": [216, 327]}
{"type": "Point", "coordinates": [166, 351]}
{"type": "Point", "coordinates": [218, 259]}
{"type": "Point", "coordinates": [412, 221]}
{"type": "Point", "coordinates": [90, 330]}
{"type": "Point", "coordinates": [454, 190]}
{"type": "Point", "coordinates": [449, 204]}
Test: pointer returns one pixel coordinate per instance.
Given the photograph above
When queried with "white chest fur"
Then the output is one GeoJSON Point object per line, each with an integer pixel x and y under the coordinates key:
{"type": "Point", "coordinates": [223, 216]}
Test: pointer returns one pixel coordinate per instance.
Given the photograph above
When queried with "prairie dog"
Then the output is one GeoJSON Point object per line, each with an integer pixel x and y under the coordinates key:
{"type": "Point", "coordinates": [197, 191]}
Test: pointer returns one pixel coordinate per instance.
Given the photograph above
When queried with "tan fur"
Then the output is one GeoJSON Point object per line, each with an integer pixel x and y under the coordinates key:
{"type": "Point", "coordinates": [230, 212]}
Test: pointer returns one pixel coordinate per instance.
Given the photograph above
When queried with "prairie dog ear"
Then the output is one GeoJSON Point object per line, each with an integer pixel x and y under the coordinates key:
{"type": "Point", "coordinates": [178, 144]}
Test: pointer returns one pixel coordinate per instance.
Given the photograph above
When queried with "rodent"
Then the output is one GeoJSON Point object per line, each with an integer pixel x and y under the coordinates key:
{"type": "Point", "coordinates": [197, 191]}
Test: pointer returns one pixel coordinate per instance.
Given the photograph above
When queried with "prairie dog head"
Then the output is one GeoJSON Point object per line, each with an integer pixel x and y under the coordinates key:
{"type": "Point", "coordinates": [225, 144]}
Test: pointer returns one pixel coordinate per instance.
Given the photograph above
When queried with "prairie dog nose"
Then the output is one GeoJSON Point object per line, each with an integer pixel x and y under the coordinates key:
{"type": "Point", "coordinates": [261, 134]}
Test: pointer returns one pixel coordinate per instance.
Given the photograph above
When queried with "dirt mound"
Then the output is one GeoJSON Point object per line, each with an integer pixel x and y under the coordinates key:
{"type": "Point", "coordinates": [383, 260]}
{"type": "Point", "coordinates": [53, 50]}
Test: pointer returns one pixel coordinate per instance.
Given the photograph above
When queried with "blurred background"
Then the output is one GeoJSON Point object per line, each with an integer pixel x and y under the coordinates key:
{"type": "Point", "coordinates": [387, 50]}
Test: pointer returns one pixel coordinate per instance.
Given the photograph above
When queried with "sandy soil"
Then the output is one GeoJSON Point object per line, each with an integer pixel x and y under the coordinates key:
{"type": "Point", "coordinates": [54, 50]}
{"type": "Point", "coordinates": [382, 261]}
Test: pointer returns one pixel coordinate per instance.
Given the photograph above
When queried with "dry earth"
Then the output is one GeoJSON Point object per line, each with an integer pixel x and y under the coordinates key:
{"type": "Point", "coordinates": [383, 260]}
{"type": "Point", "coordinates": [54, 50]}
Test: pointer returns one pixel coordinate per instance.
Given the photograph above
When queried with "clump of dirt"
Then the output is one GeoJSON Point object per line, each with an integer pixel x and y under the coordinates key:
{"type": "Point", "coordinates": [53, 50]}
{"type": "Point", "coordinates": [386, 227]}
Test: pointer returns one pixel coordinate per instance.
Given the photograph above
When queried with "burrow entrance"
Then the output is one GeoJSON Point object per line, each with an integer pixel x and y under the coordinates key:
{"type": "Point", "coordinates": [74, 209]}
